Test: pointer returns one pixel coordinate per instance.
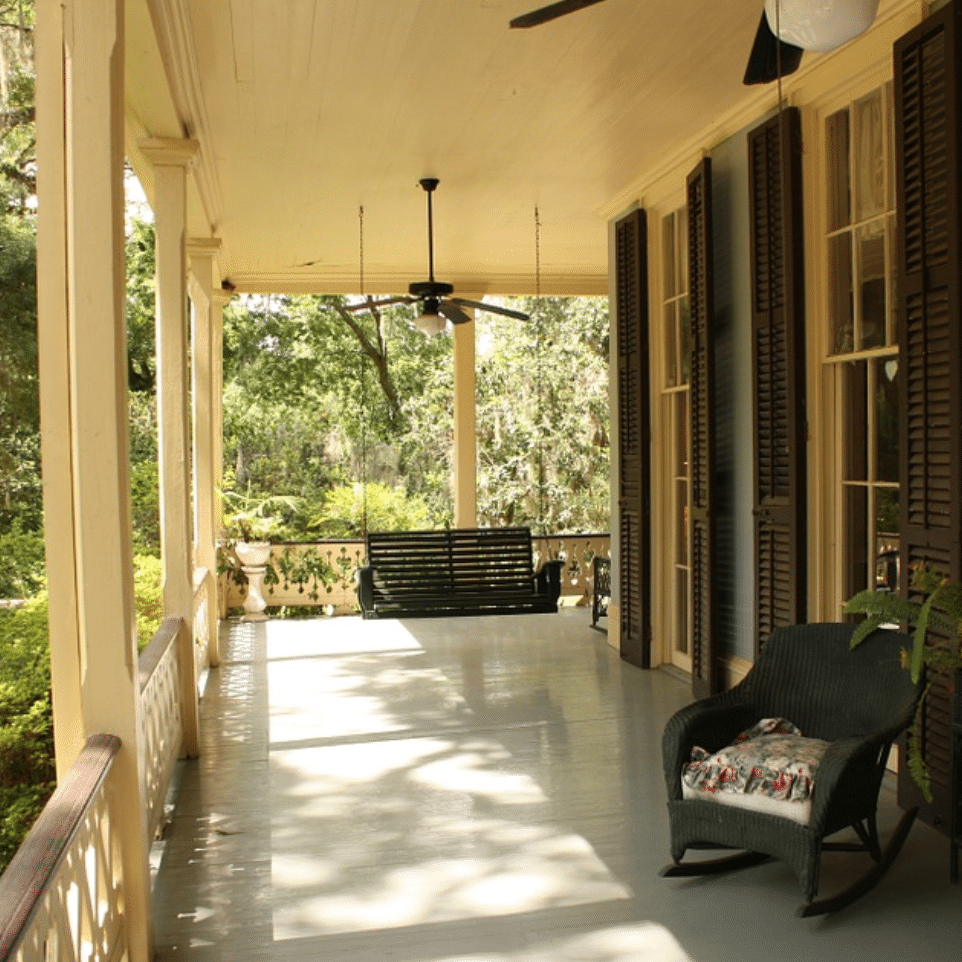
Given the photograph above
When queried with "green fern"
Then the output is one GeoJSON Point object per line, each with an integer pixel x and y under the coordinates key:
{"type": "Point", "coordinates": [939, 615]}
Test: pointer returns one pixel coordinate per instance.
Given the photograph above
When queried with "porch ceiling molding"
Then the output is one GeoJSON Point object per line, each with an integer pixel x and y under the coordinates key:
{"type": "Point", "coordinates": [306, 111]}
{"type": "Point", "coordinates": [172, 29]}
{"type": "Point", "coordinates": [521, 285]}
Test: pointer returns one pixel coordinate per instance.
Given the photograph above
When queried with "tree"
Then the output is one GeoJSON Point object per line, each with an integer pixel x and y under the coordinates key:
{"type": "Point", "coordinates": [317, 397]}
{"type": "Point", "coordinates": [18, 155]}
{"type": "Point", "coordinates": [543, 423]}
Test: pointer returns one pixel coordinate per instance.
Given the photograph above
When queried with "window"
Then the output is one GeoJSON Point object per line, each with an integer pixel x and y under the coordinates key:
{"type": "Point", "coordinates": [675, 337]}
{"type": "Point", "coordinates": [861, 354]}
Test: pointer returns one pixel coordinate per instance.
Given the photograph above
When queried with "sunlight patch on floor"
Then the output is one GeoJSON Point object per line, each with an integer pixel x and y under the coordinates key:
{"type": "Point", "coordinates": [403, 831]}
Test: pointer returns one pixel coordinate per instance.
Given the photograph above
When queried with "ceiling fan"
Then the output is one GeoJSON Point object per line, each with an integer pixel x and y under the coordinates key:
{"type": "Point", "coordinates": [787, 29]}
{"type": "Point", "coordinates": [550, 12]}
{"type": "Point", "coordinates": [435, 298]}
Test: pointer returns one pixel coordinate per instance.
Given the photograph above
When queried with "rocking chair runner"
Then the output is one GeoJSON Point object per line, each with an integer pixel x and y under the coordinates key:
{"type": "Point", "coordinates": [858, 701]}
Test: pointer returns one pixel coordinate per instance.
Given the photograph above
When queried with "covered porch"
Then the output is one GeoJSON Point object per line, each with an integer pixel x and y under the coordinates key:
{"type": "Point", "coordinates": [322, 793]}
{"type": "Point", "coordinates": [480, 790]}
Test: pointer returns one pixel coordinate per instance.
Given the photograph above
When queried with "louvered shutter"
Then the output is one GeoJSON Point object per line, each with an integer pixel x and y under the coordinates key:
{"type": "Point", "coordinates": [927, 102]}
{"type": "Point", "coordinates": [778, 358]}
{"type": "Point", "coordinates": [634, 436]}
{"type": "Point", "coordinates": [704, 673]}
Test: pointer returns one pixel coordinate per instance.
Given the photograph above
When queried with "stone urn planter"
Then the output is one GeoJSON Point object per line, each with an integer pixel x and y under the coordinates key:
{"type": "Point", "coordinates": [253, 557]}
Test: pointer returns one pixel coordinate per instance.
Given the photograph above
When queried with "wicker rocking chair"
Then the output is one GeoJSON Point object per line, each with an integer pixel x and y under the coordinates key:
{"type": "Point", "coordinates": [857, 701]}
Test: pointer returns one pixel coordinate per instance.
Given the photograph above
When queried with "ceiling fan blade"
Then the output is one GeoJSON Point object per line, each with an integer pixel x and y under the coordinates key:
{"type": "Point", "coordinates": [550, 12]}
{"type": "Point", "coordinates": [763, 61]}
{"type": "Point", "coordinates": [367, 304]}
{"type": "Point", "coordinates": [453, 313]}
{"type": "Point", "coordinates": [493, 309]}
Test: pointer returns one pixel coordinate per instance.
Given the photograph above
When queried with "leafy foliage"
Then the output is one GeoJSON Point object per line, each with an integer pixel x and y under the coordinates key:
{"type": "Point", "coordinates": [936, 640]}
{"type": "Point", "coordinates": [27, 770]}
{"type": "Point", "coordinates": [319, 399]}
{"type": "Point", "coordinates": [543, 420]}
{"type": "Point", "coordinates": [23, 573]}
{"type": "Point", "coordinates": [350, 510]}
{"type": "Point", "coordinates": [27, 773]}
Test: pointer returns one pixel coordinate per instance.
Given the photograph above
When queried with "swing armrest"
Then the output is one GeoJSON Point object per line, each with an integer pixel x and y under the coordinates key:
{"type": "Point", "coordinates": [365, 587]}
{"type": "Point", "coordinates": [548, 579]}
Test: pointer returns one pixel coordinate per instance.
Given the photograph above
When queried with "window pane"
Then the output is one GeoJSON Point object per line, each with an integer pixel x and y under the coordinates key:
{"type": "Point", "coordinates": [856, 539]}
{"type": "Point", "coordinates": [870, 244]}
{"type": "Point", "coordinates": [837, 170]}
{"type": "Point", "coordinates": [890, 151]}
{"type": "Point", "coordinates": [685, 324]}
{"type": "Point", "coordinates": [680, 413]}
{"type": "Point", "coordinates": [681, 611]}
{"type": "Point", "coordinates": [671, 345]}
{"type": "Point", "coordinates": [887, 538]}
{"type": "Point", "coordinates": [668, 256]}
{"type": "Point", "coordinates": [855, 420]}
{"type": "Point", "coordinates": [840, 293]}
{"type": "Point", "coordinates": [886, 419]}
{"type": "Point", "coordinates": [682, 245]}
{"type": "Point", "coordinates": [681, 523]}
{"type": "Point", "coordinates": [869, 157]}
{"type": "Point", "coordinates": [893, 298]}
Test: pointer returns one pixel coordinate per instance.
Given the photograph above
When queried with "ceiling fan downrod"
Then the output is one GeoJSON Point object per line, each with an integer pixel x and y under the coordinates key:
{"type": "Point", "coordinates": [430, 184]}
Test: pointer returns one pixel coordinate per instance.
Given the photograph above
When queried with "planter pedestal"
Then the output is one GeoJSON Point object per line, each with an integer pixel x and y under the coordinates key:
{"type": "Point", "coordinates": [253, 557]}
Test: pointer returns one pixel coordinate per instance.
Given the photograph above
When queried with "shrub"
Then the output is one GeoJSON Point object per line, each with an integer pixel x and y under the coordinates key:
{"type": "Point", "coordinates": [387, 509]}
{"type": "Point", "coordinates": [27, 768]}
{"type": "Point", "coordinates": [148, 597]}
{"type": "Point", "coordinates": [22, 574]}
{"type": "Point", "coordinates": [27, 772]}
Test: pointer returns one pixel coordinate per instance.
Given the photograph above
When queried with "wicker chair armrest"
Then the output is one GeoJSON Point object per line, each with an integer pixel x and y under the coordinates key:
{"type": "Point", "coordinates": [849, 775]}
{"type": "Point", "coordinates": [711, 724]}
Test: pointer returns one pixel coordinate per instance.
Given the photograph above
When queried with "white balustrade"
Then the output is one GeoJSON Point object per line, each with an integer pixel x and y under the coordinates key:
{"type": "Point", "coordinates": [61, 896]}
{"type": "Point", "coordinates": [296, 586]}
{"type": "Point", "coordinates": [160, 718]}
{"type": "Point", "coordinates": [203, 600]}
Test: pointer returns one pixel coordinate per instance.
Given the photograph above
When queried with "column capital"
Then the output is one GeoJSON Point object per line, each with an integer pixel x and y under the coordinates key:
{"type": "Point", "coordinates": [203, 246]}
{"type": "Point", "coordinates": [169, 151]}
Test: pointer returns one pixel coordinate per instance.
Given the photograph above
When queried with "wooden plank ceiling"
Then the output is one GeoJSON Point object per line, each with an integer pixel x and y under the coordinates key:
{"type": "Point", "coordinates": [307, 109]}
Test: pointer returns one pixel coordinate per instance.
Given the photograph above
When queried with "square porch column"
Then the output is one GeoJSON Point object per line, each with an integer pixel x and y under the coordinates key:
{"type": "Point", "coordinates": [465, 427]}
{"type": "Point", "coordinates": [83, 397]}
{"type": "Point", "coordinates": [206, 321]}
{"type": "Point", "coordinates": [170, 159]}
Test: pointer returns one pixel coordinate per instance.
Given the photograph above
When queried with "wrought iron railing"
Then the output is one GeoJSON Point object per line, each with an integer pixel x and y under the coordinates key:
{"type": "Point", "coordinates": [61, 896]}
{"type": "Point", "coordinates": [321, 573]}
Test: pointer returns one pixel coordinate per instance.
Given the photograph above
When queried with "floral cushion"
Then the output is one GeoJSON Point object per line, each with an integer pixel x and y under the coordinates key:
{"type": "Point", "coordinates": [769, 764]}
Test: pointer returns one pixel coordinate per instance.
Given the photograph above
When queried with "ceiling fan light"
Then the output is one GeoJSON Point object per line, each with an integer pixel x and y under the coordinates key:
{"type": "Point", "coordinates": [430, 323]}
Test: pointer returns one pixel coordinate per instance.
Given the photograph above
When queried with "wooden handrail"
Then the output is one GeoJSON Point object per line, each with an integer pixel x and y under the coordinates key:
{"type": "Point", "coordinates": [36, 862]}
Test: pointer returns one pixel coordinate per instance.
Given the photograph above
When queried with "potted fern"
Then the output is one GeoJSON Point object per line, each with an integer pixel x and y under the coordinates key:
{"type": "Point", "coordinates": [936, 640]}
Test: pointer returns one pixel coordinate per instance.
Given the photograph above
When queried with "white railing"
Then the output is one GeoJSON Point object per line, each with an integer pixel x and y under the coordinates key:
{"type": "Point", "coordinates": [577, 551]}
{"type": "Point", "coordinates": [61, 896]}
{"type": "Point", "coordinates": [161, 720]}
{"type": "Point", "coordinates": [296, 585]}
{"type": "Point", "coordinates": [205, 624]}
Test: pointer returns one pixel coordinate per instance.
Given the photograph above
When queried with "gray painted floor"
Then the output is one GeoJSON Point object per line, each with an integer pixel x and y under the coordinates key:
{"type": "Point", "coordinates": [477, 790]}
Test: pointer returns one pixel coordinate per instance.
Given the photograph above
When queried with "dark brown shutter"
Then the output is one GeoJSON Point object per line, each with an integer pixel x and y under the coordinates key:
{"type": "Point", "coordinates": [704, 672]}
{"type": "Point", "coordinates": [927, 102]}
{"type": "Point", "coordinates": [634, 437]}
{"type": "Point", "coordinates": [778, 356]}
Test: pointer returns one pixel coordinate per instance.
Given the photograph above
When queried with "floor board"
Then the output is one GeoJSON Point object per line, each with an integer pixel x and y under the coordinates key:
{"type": "Point", "coordinates": [476, 790]}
